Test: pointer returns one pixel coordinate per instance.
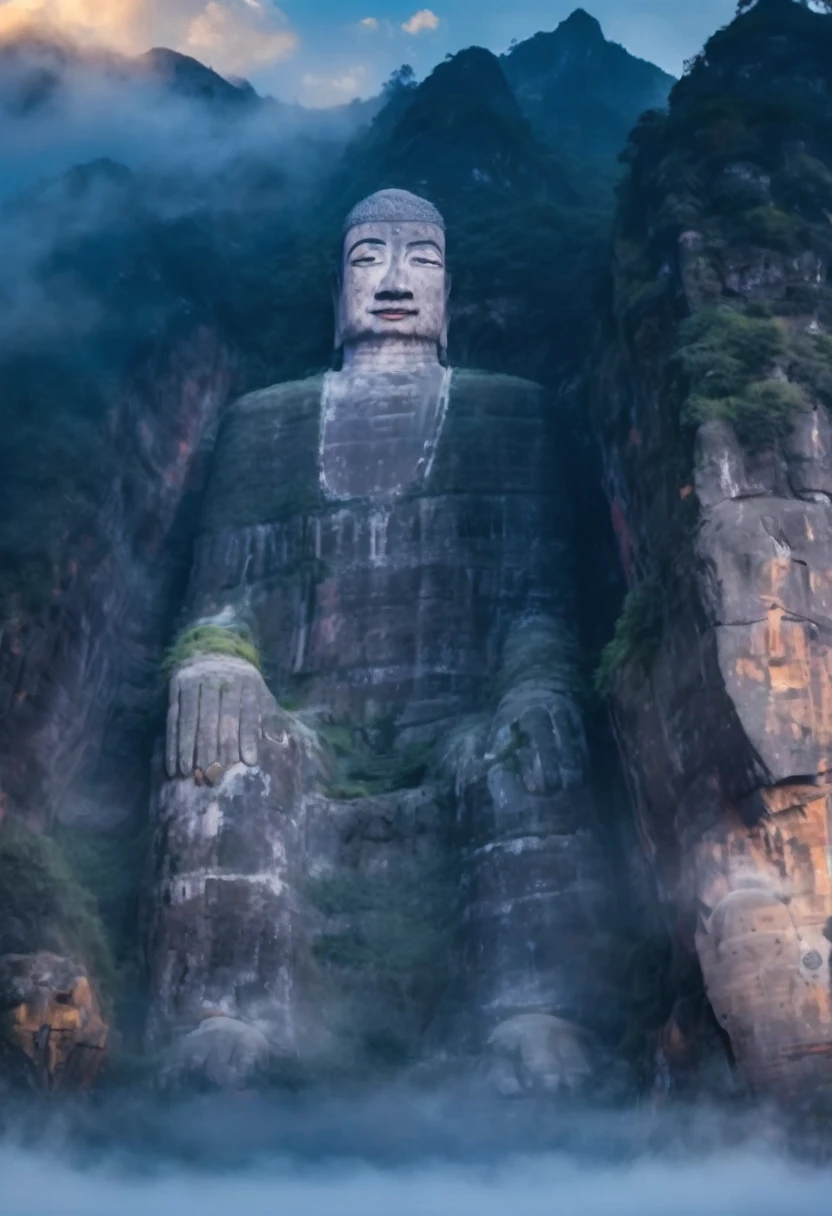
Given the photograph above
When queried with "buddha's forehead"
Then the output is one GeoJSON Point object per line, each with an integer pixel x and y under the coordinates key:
{"type": "Point", "coordinates": [395, 233]}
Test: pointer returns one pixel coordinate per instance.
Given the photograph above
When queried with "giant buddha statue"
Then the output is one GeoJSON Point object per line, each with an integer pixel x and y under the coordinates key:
{"type": "Point", "coordinates": [374, 837]}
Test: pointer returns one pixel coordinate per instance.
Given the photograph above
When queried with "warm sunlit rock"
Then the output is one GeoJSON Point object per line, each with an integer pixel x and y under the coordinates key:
{"type": "Point", "coordinates": [51, 1028]}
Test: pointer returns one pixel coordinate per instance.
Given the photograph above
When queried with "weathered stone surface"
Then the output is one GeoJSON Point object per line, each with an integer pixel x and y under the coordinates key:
{"type": "Point", "coordinates": [52, 1033]}
{"type": "Point", "coordinates": [355, 922]}
{"type": "Point", "coordinates": [535, 886]}
{"type": "Point", "coordinates": [226, 935]}
{"type": "Point", "coordinates": [378, 601]}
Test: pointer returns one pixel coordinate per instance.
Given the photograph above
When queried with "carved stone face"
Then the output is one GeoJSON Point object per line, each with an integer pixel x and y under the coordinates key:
{"type": "Point", "coordinates": [393, 283]}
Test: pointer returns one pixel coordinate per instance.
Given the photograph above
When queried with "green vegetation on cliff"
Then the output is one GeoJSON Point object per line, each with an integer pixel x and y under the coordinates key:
{"type": "Point", "coordinates": [720, 287]}
{"type": "Point", "coordinates": [382, 946]}
{"type": "Point", "coordinates": [637, 635]}
{"type": "Point", "coordinates": [737, 363]}
{"type": "Point", "coordinates": [85, 297]}
{"type": "Point", "coordinates": [44, 906]}
{"type": "Point", "coordinates": [202, 640]}
{"type": "Point", "coordinates": [364, 770]}
{"type": "Point", "coordinates": [723, 239]}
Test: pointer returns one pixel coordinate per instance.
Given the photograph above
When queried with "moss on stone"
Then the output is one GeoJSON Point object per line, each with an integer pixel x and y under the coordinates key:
{"type": "Point", "coordinates": [44, 906]}
{"type": "Point", "coordinates": [382, 942]}
{"type": "Point", "coordinates": [637, 635]}
{"type": "Point", "coordinates": [339, 737]}
{"type": "Point", "coordinates": [347, 791]}
{"type": "Point", "coordinates": [368, 763]}
{"type": "Point", "coordinates": [201, 640]}
{"type": "Point", "coordinates": [366, 774]}
{"type": "Point", "coordinates": [395, 921]}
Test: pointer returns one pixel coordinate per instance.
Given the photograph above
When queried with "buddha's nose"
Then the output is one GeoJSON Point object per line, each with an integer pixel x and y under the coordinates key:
{"type": "Point", "coordinates": [394, 284]}
{"type": "Point", "coordinates": [393, 293]}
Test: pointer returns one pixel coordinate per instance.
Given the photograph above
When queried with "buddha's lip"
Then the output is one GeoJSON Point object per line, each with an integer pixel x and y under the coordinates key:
{"type": "Point", "coordinates": [395, 314]}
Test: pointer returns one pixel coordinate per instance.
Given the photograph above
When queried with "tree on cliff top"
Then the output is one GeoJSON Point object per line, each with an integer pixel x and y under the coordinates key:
{"type": "Point", "coordinates": [822, 6]}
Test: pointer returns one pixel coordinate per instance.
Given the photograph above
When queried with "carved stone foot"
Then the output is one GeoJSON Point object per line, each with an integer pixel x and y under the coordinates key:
{"type": "Point", "coordinates": [223, 1053]}
{"type": "Point", "coordinates": [534, 1053]}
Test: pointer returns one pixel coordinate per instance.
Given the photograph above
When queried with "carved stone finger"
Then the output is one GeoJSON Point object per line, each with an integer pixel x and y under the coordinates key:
{"type": "Point", "coordinates": [172, 735]}
{"type": "Point", "coordinates": [250, 727]}
{"type": "Point", "coordinates": [208, 731]}
{"type": "Point", "coordinates": [270, 716]}
{"type": "Point", "coordinates": [188, 719]}
{"type": "Point", "coordinates": [230, 705]}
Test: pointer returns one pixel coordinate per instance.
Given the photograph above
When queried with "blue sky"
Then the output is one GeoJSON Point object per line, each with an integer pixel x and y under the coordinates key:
{"type": "Point", "coordinates": [322, 52]}
{"type": "Point", "coordinates": [348, 46]}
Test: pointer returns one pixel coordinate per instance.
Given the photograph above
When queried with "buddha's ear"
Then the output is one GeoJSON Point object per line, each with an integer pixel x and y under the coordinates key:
{"type": "Point", "coordinates": [443, 334]}
{"type": "Point", "coordinates": [336, 286]}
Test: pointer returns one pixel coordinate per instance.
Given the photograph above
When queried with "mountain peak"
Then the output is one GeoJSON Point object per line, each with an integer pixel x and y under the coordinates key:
{"type": "Point", "coordinates": [471, 76]}
{"type": "Point", "coordinates": [581, 92]}
{"type": "Point", "coordinates": [459, 131]}
{"type": "Point", "coordinates": [582, 25]}
{"type": "Point", "coordinates": [190, 78]}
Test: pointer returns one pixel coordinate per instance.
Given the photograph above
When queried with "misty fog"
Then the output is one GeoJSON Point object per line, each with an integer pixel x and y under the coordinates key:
{"type": "Point", "coordinates": [412, 1152]}
{"type": "Point", "coordinates": [720, 1183]}
{"type": "Point", "coordinates": [96, 148]}
{"type": "Point", "coordinates": [400, 1153]}
{"type": "Point", "coordinates": [61, 107]}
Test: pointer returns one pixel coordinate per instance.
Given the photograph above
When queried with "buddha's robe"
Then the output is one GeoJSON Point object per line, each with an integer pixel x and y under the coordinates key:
{"type": "Point", "coordinates": [402, 562]}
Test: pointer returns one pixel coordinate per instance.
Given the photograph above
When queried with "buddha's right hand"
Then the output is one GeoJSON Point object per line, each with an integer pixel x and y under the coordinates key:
{"type": "Point", "coordinates": [218, 711]}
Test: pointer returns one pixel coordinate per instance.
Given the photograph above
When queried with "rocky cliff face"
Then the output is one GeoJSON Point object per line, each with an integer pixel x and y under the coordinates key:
{"type": "Point", "coordinates": [712, 408]}
{"type": "Point", "coordinates": [328, 862]}
{"type": "Point", "coordinates": [80, 683]}
{"type": "Point", "coordinates": [79, 678]}
{"type": "Point", "coordinates": [112, 386]}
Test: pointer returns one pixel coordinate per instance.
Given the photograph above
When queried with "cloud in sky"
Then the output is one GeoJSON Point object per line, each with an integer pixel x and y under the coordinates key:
{"type": "Point", "coordinates": [238, 36]}
{"type": "Point", "coordinates": [321, 90]}
{"type": "Point", "coordinates": [421, 22]}
{"type": "Point", "coordinates": [108, 21]}
{"type": "Point", "coordinates": [232, 35]}
{"type": "Point", "coordinates": [369, 23]}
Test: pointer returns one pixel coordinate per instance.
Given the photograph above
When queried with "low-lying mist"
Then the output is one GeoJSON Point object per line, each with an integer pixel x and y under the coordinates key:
{"type": "Point", "coordinates": [98, 151]}
{"type": "Point", "coordinates": [408, 1156]}
{"type": "Point", "coordinates": [719, 1186]}
{"type": "Point", "coordinates": [61, 106]}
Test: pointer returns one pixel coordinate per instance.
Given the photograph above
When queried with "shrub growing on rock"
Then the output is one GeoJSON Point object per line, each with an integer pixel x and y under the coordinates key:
{"type": "Point", "coordinates": [636, 638]}
{"type": "Point", "coordinates": [203, 640]}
